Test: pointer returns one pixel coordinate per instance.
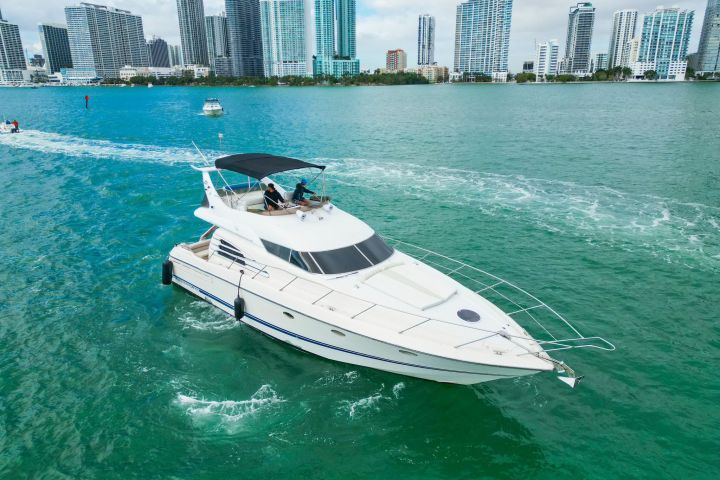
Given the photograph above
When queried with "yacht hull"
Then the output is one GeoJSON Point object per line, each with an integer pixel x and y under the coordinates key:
{"type": "Point", "coordinates": [322, 337]}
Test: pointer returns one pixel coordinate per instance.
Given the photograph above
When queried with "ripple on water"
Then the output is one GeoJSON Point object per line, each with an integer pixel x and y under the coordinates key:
{"type": "Point", "coordinates": [228, 415]}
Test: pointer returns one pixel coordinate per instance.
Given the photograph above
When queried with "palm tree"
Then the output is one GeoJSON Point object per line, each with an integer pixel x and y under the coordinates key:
{"type": "Point", "coordinates": [650, 75]}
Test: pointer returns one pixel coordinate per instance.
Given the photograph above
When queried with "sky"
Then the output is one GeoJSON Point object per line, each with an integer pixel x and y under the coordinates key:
{"type": "Point", "coordinates": [381, 24]}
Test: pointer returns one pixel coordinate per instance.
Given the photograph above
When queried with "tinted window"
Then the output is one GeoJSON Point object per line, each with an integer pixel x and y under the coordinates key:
{"type": "Point", "coordinates": [277, 250]}
{"type": "Point", "coordinates": [375, 249]}
{"type": "Point", "coordinates": [341, 260]}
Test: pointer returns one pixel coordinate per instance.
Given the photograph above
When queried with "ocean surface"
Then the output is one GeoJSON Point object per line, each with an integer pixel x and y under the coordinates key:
{"type": "Point", "coordinates": [603, 200]}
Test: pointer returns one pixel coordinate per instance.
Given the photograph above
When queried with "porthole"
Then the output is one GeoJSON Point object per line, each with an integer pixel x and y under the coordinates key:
{"type": "Point", "coordinates": [468, 315]}
{"type": "Point", "coordinates": [338, 333]}
{"type": "Point", "coordinates": [288, 315]}
{"type": "Point", "coordinates": [412, 354]}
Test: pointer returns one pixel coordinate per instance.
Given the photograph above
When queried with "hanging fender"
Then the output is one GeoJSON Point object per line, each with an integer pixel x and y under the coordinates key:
{"type": "Point", "coordinates": [239, 307]}
{"type": "Point", "coordinates": [167, 272]}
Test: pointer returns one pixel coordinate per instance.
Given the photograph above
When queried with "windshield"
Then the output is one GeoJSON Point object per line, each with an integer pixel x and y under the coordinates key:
{"type": "Point", "coordinates": [356, 257]}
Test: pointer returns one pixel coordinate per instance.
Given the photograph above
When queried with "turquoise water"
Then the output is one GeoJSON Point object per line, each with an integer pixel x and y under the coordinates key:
{"type": "Point", "coordinates": [604, 200]}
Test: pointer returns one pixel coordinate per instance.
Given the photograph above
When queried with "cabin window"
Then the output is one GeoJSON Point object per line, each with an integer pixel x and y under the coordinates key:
{"type": "Point", "coordinates": [375, 249]}
{"type": "Point", "coordinates": [365, 254]}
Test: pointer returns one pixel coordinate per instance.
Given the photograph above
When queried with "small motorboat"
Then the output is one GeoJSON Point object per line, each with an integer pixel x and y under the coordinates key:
{"type": "Point", "coordinates": [320, 279]}
{"type": "Point", "coordinates": [212, 107]}
{"type": "Point", "coordinates": [8, 127]}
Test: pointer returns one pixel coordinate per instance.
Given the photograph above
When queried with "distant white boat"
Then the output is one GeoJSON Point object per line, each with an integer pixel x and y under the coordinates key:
{"type": "Point", "coordinates": [150, 85]}
{"type": "Point", "coordinates": [212, 107]}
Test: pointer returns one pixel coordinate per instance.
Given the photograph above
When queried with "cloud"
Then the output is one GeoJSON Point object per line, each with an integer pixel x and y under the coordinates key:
{"type": "Point", "coordinates": [381, 24]}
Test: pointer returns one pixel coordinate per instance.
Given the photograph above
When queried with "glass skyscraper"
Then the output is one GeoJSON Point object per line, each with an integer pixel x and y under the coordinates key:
{"type": "Point", "coordinates": [333, 16]}
{"type": "Point", "coordinates": [159, 53]}
{"type": "Point", "coordinates": [11, 50]}
{"type": "Point", "coordinates": [426, 40]}
{"type": "Point", "coordinates": [283, 37]}
{"type": "Point", "coordinates": [624, 27]}
{"type": "Point", "coordinates": [581, 22]}
{"type": "Point", "coordinates": [218, 44]}
{"type": "Point", "coordinates": [244, 30]}
{"type": "Point", "coordinates": [104, 39]}
{"type": "Point", "coordinates": [56, 46]}
{"type": "Point", "coordinates": [664, 42]}
{"type": "Point", "coordinates": [191, 16]}
{"type": "Point", "coordinates": [708, 59]}
{"type": "Point", "coordinates": [482, 37]}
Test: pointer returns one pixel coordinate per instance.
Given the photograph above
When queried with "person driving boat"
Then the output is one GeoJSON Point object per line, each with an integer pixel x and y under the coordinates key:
{"type": "Point", "coordinates": [298, 196]}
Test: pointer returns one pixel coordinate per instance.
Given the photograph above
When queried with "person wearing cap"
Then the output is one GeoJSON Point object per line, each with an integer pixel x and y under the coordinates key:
{"type": "Point", "coordinates": [273, 198]}
{"type": "Point", "coordinates": [298, 196]}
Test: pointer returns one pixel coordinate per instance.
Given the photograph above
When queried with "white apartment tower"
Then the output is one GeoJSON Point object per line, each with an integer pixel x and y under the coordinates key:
{"type": "Point", "coordinates": [624, 27]}
{"type": "Point", "coordinates": [546, 59]}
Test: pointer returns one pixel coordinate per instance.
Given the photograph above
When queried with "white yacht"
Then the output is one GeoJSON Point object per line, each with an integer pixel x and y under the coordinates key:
{"type": "Point", "coordinates": [213, 108]}
{"type": "Point", "coordinates": [322, 280]}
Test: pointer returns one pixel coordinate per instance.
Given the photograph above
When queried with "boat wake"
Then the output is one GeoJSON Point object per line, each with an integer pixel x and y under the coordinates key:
{"type": "Point", "coordinates": [55, 143]}
{"type": "Point", "coordinates": [228, 415]}
{"type": "Point", "coordinates": [677, 232]}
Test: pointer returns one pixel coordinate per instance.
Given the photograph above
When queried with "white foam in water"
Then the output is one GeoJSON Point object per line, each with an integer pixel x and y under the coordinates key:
{"type": "Point", "coordinates": [228, 414]}
{"type": "Point", "coordinates": [80, 147]}
{"type": "Point", "coordinates": [372, 403]}
{"type": "Point", "coordinates": [204, 316]}
{"type": "Point", "coordinates": [678, 232]}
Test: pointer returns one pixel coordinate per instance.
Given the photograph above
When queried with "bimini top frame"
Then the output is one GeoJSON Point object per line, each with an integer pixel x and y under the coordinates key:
{"type": "Point", "coordinates": [261, 165]}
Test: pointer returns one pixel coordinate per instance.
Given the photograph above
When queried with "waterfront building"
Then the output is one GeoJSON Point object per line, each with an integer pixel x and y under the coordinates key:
{"type": "Point", "coordinates": [581, 22]}
{"type": "Point", "coordinates": [624, 28]}
{"type": "Point", "coordinates": [159, 53]}
{"type": "Point", "coordinates": [433, 73]}
{"type": "Point", "coordinates": [600, 62]}
{"type": "Point", "coordinates": [245, 33]}
{"type": "Point", "coordinates": [482, 37]}
{"type": "Point", "coordinates": [426, 40]}
{"type": "Point", "coordinates": [396, 60]}
{"type": "Point", "coordinates": [104, 39]}
{"type": "Point", "coordinates": [37, 60]}
{"type": "Point", "coordinates": [283, 37]}
{"type": "Point", "coordinates": [335, 38]}
{"type": "Point", "coordinates": [708, 55]}
{"type": "Point", "coordinates": [175, 54]}
{"type": "Point", "coordinates": [193, 38]}
{"type": "Point", "coordinates": [664, 43]}
{"type": "Point", "coordinates": [345, 18]}
{"type": "Point", "coordinates": [12, 59]}
{"type": "Point", "coordinates": [528, 66]}
{"type": "Point", "coordinates": [218, 43]}
{"type": "Point", "coordinates": [546, 59]}
{"type": "Point", "coordinates": [632, 51]}
{"type": "Point", "coordinates": [55, 46]}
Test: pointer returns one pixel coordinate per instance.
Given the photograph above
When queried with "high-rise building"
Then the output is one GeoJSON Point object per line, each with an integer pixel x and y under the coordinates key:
{"type": "Point", "coordinates": [218, 43]}
{"type": "Point", "coordinates": [708, 57]}
{"type": "Point", "coordinates": [546, 59]}
{"type": "Point", "coordinates": [632, 51]}
{"type": "Point", "coordinates": [11, 50]}
{"type": "Point", "coordinates": [175, 54]}
{"type": "Point", "coordinates": [335, 33]}
{"type": "Point", "coordinates": [624, 27]}
{"type": "Point", "coordinates": [245, 32]}
{"type": "Point", "coordinates": [482, 37]}
{"type": "Point", "coordinates": [345, 16]}
{"type": "Point", "coordinates": [599, 62]}
{"type": "Point", "coordinates": [579, 39]}
{"type": "Point", "coordinates": [104, 39]}
{"type": "Point", "coordinates": [283, 37]}
{"type": "Point", "coordinates": [191, 16]}
{"type": "Point", "coordinates": [426, 40]}
{"type": "Point", "coordinates": [664, 43]}
{"type": "Point", "coordinates": [159, 53]}
{"type": "Point", "coordinates": [55, 46]}
{"type": "Point", "coordinates": [396, 60]}
{"type": "Point", "coordinates": [528, 66]}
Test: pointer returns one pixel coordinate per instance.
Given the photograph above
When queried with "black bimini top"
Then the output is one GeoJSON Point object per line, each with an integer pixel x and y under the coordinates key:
{"type": "Point", "coordinates": [260, 165]}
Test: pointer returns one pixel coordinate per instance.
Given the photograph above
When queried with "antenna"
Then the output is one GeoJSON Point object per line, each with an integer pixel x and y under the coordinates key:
{"type": "Point", "coordinates": [201, 153]}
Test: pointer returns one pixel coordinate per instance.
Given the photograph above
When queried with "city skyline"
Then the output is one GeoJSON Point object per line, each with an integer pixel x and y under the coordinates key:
{"type": "Point", "coordinates": [381, 24]}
